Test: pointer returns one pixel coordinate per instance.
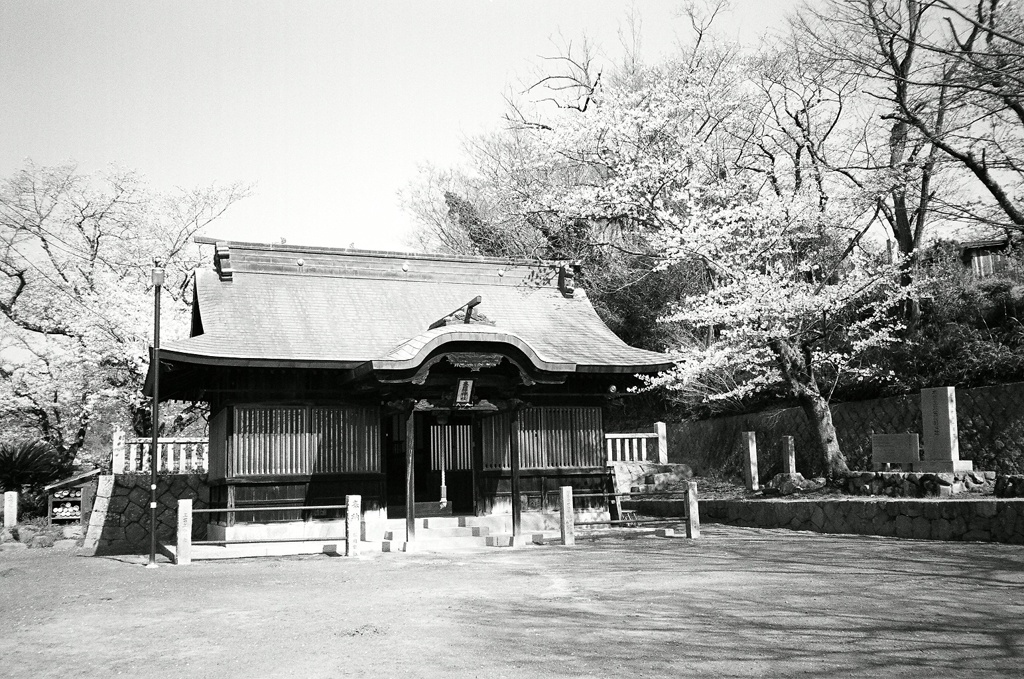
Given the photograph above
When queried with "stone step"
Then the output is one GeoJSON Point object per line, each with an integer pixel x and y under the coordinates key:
{"type": "Point", "coordinates": [547, 537]}
{"type": "Point", "coordinates": [439, 544]}
{"type": "Point", "coordinates": [500, 522]}
{"type": "Point", "coordinates": [247, 550]}
{"type": "Point", "coordinates": [540, 538]}
{"type": "Point", "coordinates": [433, 522]}
{"type": "Point", "coordinates": [447, 532]}
{"type": "Point", "coordinates": [435, 533]}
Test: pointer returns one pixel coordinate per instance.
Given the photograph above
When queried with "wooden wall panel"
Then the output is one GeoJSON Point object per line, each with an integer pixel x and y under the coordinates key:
{"type": "Point", "coordinates": [549, 437]}
{"type": "Point", "coordinates": [345, 439]}
{"type": "Point", "coordinates": [302, 440]}
{"type": "Point", "coordinates": [269, 440]}
{"type": "Point", "coordinates": [451, 447]}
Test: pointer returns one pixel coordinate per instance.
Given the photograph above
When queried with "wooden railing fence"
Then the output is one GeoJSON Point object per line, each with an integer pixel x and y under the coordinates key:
{"type": "Point", "coordinates": [173, 455]}
{"type": "Point", "coordinates": [633, 447]}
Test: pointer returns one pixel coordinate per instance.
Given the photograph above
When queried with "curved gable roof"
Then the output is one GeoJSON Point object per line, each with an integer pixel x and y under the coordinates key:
{"type": "Point", "coordinates": [294, 305]}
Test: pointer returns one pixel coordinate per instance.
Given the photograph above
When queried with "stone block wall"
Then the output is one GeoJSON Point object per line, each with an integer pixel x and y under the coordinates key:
{"type": "Point", "coordinates": [990, 419]}
{"type": "Point", "coordinates": [120, 520]}
{"type": "Point", "coordinates": [982, 520]}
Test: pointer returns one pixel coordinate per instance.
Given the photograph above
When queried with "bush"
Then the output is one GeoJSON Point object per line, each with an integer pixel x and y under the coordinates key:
{"type": "Point", "coordinates": [30, 465]}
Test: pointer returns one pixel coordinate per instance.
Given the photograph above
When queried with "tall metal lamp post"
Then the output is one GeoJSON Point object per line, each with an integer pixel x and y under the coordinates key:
{"type": "Point", "coordinates": [158, 281]}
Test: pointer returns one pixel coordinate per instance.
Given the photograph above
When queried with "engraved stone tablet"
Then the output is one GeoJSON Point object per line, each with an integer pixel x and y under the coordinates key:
{"type": "Point", "coordinates": [938, 422]}
{"type": "Point", "coordinates": [895, 448]}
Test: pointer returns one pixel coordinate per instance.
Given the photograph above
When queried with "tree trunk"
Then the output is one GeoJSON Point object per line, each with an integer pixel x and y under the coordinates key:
{"type": "Point", "coordinates": [795, 363]}
{"type": "Point", "coordinates": [819, 416]}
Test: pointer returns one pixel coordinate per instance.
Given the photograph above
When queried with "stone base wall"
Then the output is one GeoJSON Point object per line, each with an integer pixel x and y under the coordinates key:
{"type": "Point", "coordinates": [120, 519]}
{"type": "Point", "coordinates": [916, 484]}
{"type": "Point", "coordinates": [1010, 486]}
{"type": "Point", "coordinates": [981, 520]}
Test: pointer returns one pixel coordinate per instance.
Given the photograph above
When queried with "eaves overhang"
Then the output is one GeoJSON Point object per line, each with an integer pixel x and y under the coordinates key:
{"type": "Point", "coordinates": [412, 352]}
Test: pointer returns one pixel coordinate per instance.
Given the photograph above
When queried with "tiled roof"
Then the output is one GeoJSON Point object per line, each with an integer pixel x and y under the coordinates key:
{"type": "Point", "coordinates": [351, 307]}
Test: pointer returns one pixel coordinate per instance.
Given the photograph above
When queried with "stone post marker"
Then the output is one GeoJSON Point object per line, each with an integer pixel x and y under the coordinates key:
{"type": "Point", "coordinates": [117, 457]}
{"type": "Point", "coordinates": [568, 524]}
{"type": "Point", "coordinates": [938, 425]}
{"type": "Point", "coordinates": [692, 511]}
{"type": "Point", "coordinates": [353, 523]}
{"type": "Point", "coordinates": [183, 553]}
{"type": "Point", "coordinates": [789, 454]}
{"type": "Point", "coordinates": [10, 508]}
{"type": "Point", "coordinates": [662, 431]}
{"type": "Point", "coordinates": [750, 468]}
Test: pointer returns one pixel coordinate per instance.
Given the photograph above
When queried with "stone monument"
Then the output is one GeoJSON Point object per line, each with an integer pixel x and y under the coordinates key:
{"type": "Point", "coordinates": [789, 455]}
{"type": "Point", "coordinates": [902, 449]}
{"type": "Point", "coordinates": [938, 427]}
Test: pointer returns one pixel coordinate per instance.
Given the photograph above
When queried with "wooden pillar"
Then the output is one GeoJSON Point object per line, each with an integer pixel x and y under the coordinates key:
{"type": "Point", "coordinates": [183, 554]}
{"type": "Point", "coordinates": [231, 505]}
{"type": "Point", "coordinates": [517, 500]}
{"type": "Point", "coordinates": [410, 476]}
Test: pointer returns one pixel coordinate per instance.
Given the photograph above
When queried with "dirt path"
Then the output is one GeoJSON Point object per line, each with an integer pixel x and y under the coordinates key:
{"type": "Point", "coordinates": [740, 602]}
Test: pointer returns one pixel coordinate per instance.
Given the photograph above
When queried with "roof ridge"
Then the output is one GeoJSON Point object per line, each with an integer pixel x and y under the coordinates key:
{"type": "Point", "coordinates": [389, 254]}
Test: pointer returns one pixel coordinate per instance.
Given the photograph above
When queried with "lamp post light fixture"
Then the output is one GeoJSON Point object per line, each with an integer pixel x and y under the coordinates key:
{"type": "Point", "coordinates": [158, 282]}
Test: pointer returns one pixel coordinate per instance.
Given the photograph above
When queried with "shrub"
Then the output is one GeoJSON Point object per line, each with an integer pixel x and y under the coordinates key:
{"type": "Point", "coordinates": [30, 465]}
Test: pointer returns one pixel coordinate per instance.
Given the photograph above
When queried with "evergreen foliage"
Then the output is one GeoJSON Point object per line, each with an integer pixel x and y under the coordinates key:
{"type": "Point", "coordinates": [30, 465]}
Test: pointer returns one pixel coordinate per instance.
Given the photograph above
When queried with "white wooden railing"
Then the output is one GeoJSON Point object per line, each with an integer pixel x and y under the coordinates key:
{"type": "Point", "coordinates": [173, 455]}
{"type": "Point", "coordinates": [633, 447]}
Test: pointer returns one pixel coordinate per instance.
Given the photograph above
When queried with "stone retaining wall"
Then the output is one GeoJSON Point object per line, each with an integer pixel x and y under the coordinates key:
{"type": "Point", "coordinates": [119, 523]}
{"type": "Point", "coordinates": [990, 420]}
{"type": "Point", "coordinates": [982, 520]}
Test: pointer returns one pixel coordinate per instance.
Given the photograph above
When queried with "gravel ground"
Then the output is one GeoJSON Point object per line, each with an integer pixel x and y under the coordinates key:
{"type": "Point", "coordinates": [738, 602]}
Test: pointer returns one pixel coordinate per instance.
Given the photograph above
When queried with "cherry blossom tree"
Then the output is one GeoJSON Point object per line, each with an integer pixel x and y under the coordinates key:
{"type": "Point", "coordinates": [793, 313]}
{"type": "Point", "coordinates": [792, 301]}
{"type": "Point", "coordinates": [76, 253]}
{"type": "Point", "coordinates": [725, 164]}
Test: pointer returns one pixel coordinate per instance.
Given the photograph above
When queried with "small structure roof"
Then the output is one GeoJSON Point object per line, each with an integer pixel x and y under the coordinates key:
{"type": "Point", "coordinates": [280, 305]}
{"type": "Point", "coordinates": [71, 481]}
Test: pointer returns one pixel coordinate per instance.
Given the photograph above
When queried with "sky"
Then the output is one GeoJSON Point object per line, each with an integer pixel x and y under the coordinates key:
{"type": "Point", "coordinates": [326, 109]}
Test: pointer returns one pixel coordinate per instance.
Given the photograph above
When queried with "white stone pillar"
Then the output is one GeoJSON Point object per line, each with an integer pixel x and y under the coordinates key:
{"type": "Point", "coordinates": [10, 508]}
{"type": "Point", "coordinates": [662, 442]}
{"type": "Point", "coordinates": [750, 466]}
{"type": "Point", "coordinates": [118, 453]}
{"type": "Point", "coordinates": [568, 519]}
{"type": "Point", "coordinates": [183, 553]}
{"type": "Point", "coordinates": [353, 523]}
{"type": "Point", "coordinates": [692, 511]}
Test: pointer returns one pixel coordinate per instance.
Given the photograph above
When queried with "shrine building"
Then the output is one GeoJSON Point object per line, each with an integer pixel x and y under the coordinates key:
{"type": "Point", "coordinates": [427, 384]}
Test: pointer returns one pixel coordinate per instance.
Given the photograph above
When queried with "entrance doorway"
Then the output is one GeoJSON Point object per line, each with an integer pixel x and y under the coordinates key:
{"type": "Point", "coordinates": [444, 446]}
